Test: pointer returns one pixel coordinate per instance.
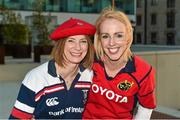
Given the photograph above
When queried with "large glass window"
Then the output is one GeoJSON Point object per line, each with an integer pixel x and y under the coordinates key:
{"type": "Point", "coordinates": [139, 3]}
{"type": "Point", "coordinates": [170, 38]}
{"type": "Point", "coordinates": [139, 20]}
{"type": "Point", "coordinates": [154, 2]}
{"type": "Point", "coordinates": [171, 19]}
{"type": "Point", "coordinates": [125, 5]}
{"type": "Point", "coordinates": [139, 38]}
{"type": "Point", "coordinates": [83, 6]}
{"type": "Point", "coordinates": [153, 38]}
{"type": "Point", "coordinates": [170, 3]}
{"type": "Point", "coordinates": [52, 5]}
{"type": "Point", "coordinates": [153, 18]}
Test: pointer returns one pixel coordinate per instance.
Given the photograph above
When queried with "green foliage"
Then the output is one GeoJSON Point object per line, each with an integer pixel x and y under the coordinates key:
{"type": "Point", "coordinates": [40, 23]}
{"type": "Point", "coordinates": [14, 32]}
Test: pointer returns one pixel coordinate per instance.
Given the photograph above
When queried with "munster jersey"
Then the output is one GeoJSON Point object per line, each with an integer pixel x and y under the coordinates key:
{"type": "Point", "coordinates": [43, 94]}
{"type": "Point", "coordinates": [116, 97]}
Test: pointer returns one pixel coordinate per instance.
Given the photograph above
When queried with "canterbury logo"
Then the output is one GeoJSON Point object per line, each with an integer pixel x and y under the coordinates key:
{"type": "Point", "coordinates": [52, 101]}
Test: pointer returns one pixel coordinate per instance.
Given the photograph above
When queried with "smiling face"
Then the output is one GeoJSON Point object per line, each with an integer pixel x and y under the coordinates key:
{"type": "Point", "coordinates": [75, 49]}
{"type": "Point", "coordinates": [113, 39]}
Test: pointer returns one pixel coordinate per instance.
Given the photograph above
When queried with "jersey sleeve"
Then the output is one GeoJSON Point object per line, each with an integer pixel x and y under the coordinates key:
{"type": "Point", "coordinates": [25, 103]}
{"type": "Point", "coordinates": [146, 93]}
{"type": "Point", "coordinates": [143, 113]}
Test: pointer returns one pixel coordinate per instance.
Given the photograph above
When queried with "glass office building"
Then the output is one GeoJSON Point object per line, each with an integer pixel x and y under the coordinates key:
{"type": "Point", "coordinates": [61, 10]}
{"type": "Point", "coordinates": [74, 6]}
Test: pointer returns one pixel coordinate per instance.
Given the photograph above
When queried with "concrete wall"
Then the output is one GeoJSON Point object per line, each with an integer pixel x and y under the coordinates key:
{"type": "Point", "coordinates": [167, 65]}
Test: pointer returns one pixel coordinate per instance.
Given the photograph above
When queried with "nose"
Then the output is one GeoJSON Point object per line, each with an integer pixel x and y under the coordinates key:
{"type": "Point", "coordinates": [111, 41]}
{"type": "Point", "coordinates": [78, 46]}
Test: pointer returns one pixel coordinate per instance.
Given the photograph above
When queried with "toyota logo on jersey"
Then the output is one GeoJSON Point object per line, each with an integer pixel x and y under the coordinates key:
{"type": "Point", "coordinates": [109, 94]}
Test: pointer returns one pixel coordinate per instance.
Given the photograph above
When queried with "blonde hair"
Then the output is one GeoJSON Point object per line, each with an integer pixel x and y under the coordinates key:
{"type": "Point", "coordinates": [120, 16]}
{"type": "Point", "coordinates": [58, 52]}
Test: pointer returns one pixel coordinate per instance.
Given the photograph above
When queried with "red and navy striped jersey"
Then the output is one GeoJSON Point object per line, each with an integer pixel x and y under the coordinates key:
{"type": "Point", "coordinates": [116, 97]}
{"type": "Point", "coordinates": [43, 94]}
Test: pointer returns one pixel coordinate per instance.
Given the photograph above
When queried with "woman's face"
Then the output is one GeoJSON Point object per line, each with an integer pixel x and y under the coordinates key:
{"type": "Point", "coordinates": [113, 39]}
{"type": "Point", "coordinates": [75, 49]}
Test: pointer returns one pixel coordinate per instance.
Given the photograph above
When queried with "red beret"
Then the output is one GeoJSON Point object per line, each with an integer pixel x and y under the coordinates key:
{"type": "Point", "coordinates": [72, 27]}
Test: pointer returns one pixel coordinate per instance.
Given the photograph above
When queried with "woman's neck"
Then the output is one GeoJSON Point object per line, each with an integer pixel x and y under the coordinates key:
{"type": "Point", "coordinates": [113, 67]}
{"type": "Point", "coordinates": [67, 71]}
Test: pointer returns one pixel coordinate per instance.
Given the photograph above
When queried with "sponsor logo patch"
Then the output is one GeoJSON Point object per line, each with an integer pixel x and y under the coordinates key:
{"type": "Point", "coordinates": [52, 101]}
{"type": "Point", "coordinates": [125, 85]}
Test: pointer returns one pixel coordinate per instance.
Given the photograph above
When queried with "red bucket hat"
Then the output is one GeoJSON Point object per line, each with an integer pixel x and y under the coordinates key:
{"type": "Point", "coordinates": [72, 27]}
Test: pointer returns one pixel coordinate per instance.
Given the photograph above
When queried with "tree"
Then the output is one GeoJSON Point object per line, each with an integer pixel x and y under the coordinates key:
{"type": "Point", "coordinates": [41, 22]}
{"type": "Point", "coordinates": [13, 29]}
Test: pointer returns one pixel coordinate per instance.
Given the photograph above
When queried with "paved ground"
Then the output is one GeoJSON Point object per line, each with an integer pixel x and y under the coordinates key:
{"type": "Point", "coordinates": [159, 115]}
{"type": "Point", "coordinates": [8, 94]}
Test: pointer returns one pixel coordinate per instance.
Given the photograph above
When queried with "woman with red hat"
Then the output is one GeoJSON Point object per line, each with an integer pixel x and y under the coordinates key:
{"type": "Point", "coordinates": [58, 88]}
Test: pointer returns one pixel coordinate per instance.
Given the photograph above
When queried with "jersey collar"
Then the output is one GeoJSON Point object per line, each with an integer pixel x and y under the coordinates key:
{"type": "Point", "coordinates": [129, 68]}
{"type": "Point", "coordinates": [52, 68]}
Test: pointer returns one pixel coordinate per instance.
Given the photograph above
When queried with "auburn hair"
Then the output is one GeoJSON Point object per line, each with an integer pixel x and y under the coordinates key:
{"type": "Point", "coordinates": [58, 53]}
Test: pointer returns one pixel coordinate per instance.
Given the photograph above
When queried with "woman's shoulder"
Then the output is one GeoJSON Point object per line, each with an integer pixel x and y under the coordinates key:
{"type": "Point", "coordinates": [39, 69]}
{"type": "Point", "coordinates": [86, 75]}
{"type": "Point", "coordinates": [143, 68]}
{"type": "Point", "coordinates": [35, 76]}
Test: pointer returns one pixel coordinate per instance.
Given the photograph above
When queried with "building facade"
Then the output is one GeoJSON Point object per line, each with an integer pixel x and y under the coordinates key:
{"type": "Point", "coordinates": [61, 10]}
{"type": "Point", "coordinates": [157, 22]}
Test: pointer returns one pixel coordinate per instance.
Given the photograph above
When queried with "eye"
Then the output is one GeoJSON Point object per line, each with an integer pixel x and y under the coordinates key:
{"type": "Point", "coordinates": [119, 35]}
{"type": "Point", "coordinates": [104, 36]}
{"type": "Point", "coordinates": [84, 41]}
{"type": "Point", "coordinates": [70, 40]}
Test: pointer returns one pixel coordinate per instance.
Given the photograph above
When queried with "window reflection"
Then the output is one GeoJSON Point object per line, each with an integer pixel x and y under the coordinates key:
{"type": "Point", "coordinates": [83, 6]}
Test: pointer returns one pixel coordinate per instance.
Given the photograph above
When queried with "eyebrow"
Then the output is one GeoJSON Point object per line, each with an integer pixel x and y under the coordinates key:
{"type": "Point", "coordinates": [79, 39]}
{"type": "Point", "coordinates": [114, 33]}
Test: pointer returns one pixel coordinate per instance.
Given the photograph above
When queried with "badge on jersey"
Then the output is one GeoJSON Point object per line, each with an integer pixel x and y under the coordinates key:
{"type": "Point", "coordinates": [125, 85]}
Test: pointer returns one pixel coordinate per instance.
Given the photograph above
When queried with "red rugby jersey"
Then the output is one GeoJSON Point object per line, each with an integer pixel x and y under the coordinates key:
{"type": "Point", "coordinates": [116, 97]}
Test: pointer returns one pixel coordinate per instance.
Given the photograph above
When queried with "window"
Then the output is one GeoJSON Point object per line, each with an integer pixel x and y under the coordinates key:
{"type": "Point", "coordinates": [74, 6]}
{"type": "Point", "coordinates": [15, 1]}
{"type": "Point", "coordinates": [170, 39]}
{"type": "Point", "coordinates": [170, 3]}
{"type": "Point", "coordinates": [154, 2]}
{"type": "Point", "coordinates": [139, 20]}
{"type": "Point", "coordinates": [139, 3]}
{"type": "Point", "coordinates": [153, 19]}
{"type": "Point", "coordinates": [87, 3]}
{"type": "Point", "coordinates": [127, 6]}
{"type": "Point", "coordinates": [153, 38]}
{"type": "Point", "coordinates": [170, 19]}
{"type": "Point", "coordinates": [51, 2]}
{"type": "Point", "coordinates": [88, 6]}
{"type": "Point", "coordinates": [138, 38]}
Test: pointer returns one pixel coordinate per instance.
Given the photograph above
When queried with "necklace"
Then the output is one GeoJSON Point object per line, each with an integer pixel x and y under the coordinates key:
{"type": "Point", "coordinates": [66, 76]}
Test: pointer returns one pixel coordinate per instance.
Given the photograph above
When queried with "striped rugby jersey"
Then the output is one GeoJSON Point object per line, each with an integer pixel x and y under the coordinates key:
{"type": "Point", "coordinates": [43, 94]}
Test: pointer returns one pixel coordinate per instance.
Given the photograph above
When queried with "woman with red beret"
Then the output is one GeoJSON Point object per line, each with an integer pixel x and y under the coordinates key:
{"type": "Point", "coordinates": [58, 88]}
